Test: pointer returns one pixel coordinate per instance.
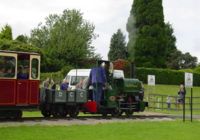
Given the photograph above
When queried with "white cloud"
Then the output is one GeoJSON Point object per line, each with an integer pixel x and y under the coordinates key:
{"type": "Point", "coordinates": [184, 17]}
{"type": "Point", "coordinates": [107, 16]}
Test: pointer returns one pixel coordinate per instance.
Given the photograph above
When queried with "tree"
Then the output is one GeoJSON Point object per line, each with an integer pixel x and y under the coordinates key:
{"type": "Point", "coordinates": [179, 60]}
{"type": "Point", "coordinates": [65, 38]}
{"type": "Point", "coordinates": [6, 32]}
{"type": "Point", "coordinates": [117, 46]}
{"type": "Point", "coordinates": [22, 38]}
{"type": "Point", "coordinates": [150, 39]}
{"type": "Point", "coordinates": [19, 44]}
{"type": "Point", "coordinates": [188, 61]}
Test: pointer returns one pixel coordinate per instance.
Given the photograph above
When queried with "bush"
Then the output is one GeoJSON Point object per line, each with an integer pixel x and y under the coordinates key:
{"type": "Point", "coordinates": [57, 76]}
{"type": "Point", "coordinates": [197, 70]}
{"type": "Point", "coordinates": [66, 69]}
{"type": "Point", "coordinates": [165, 76]}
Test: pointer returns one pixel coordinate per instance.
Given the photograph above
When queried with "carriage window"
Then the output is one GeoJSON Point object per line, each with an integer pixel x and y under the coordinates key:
{"type": "Point", "coordinates": [7, 66]}
{"type": "Point", "coordinates": [23, 67]}
{"type": "Point", "coordinates": [34, 68]}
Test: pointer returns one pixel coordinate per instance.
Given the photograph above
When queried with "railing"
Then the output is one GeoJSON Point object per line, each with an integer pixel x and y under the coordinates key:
{"type": "Point", "coordinates": [158, 101]}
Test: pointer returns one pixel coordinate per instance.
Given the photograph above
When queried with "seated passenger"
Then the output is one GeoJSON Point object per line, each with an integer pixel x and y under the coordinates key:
{"type": "Point", "coordinates": [64, 85]}
{"type": "Point", "coordinates": [21, 74]}
{"type": "Point", "coordinates": [80, 84]}
{"type": "Point", "coordinates": [48, 83]}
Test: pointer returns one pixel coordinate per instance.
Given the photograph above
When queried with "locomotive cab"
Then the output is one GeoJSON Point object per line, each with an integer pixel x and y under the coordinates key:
{"type": "Point", "coordinates": [120, 94]}
{"type": "Point", "coordinates": [19, 81]}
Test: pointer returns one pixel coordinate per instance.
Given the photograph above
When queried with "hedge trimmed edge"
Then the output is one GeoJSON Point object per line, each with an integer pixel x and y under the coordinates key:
{"type": "Point", "coordinates": [165, 76]}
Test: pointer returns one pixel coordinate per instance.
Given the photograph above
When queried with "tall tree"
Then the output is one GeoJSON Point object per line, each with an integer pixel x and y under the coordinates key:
{"type": "Point", "coordinates": [170, 39]}
{"type": "Point", "coordinates": [6, 32]}
{"type": "Point", "coordinates": [149, 36]}
{"type": "Point", "coordinates": [179, 60]}
{"type": "Point", "coordinates": [117, 46]}
{"type": "Point", "coordinates": [65, 38]}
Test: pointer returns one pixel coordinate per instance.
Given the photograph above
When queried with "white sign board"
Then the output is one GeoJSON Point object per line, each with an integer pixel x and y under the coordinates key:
{"type": "Point", "coordinates": [151, 80]}
{"type": "Point", "coordinates": [188, 79]}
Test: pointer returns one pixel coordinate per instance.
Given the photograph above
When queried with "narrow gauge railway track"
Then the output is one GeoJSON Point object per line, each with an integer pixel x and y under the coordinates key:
{"type": "Point", "coordinates": [87, 119]}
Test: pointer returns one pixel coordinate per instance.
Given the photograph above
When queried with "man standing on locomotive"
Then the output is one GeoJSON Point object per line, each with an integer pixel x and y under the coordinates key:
{"type": "Point", "coordinates": [98, 79]}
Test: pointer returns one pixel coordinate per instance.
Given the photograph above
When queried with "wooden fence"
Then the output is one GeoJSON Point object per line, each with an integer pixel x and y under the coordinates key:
{"type": "Point", "coordinates": [158, 101]}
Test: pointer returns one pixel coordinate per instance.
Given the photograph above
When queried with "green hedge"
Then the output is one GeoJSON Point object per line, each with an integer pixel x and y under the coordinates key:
{"type": "Point", "coordinates": [165, 76]}
{"type": "Point", "coordinates": [57, 76]}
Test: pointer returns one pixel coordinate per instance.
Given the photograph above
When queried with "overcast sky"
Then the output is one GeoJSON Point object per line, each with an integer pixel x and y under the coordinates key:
{"type": "Point", "coordinates": [107, 16]}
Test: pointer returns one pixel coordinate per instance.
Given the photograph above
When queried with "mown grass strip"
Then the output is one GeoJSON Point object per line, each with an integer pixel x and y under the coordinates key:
{"type": "Point", "coordinates": [167, 130]}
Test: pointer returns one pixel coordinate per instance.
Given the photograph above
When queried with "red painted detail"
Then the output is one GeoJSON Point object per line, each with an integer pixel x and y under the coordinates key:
{"type": "Point", "coordinates": [7, 91]}
{"type": "Point", "coordinates": [22, 91]}
{"type": "Point", "coordinates": [91, 106]}
{"type": "Point", "coordinates": [34, 92]}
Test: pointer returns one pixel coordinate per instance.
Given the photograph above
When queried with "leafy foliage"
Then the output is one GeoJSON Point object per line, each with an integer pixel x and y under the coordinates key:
{"type": "Point", "coordinates": [6, 32]}
{"type": "Point", "coordinates": [117, 46]}
{"type": "Point", "coordinates": [65, 39]}
{"type": "Point", "coordinates": [13, 45]}
{"type": "Point", "coordinates": [22, 38]}
{"type": "Point", "coordinates": [197, 69]}
{"type": "Point", "coordinates": [178, 60]}
{"type": "Point", "coordinates": [6, 42]}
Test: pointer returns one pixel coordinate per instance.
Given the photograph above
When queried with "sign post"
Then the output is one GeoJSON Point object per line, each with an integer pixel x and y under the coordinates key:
{"type": "Point", "coordinates": [188, 80]}
{"type": "Point", "coordinates": [151, 83]}
{"type": "Point", "coordinates": [191, 106]}
{"type": "Point", "coordinates": [188, 83]}
{"type": "Point", "coordinates": [151, 80]}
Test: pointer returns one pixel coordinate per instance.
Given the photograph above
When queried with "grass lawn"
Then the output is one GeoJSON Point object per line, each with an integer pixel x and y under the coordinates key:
{"type": "Point", "coordinates": [32, 114]}
{"type": "Point", "coordinates": [169, 90]}
{"type": "Point", "coordinates": [167, 130]}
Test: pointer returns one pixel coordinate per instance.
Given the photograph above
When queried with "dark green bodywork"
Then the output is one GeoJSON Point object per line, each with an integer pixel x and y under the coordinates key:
{"type": "Point", "coordinates": [132, 86]}
{"type": "Point", "coordinates": [59, 96]}
{"type": "Point", "coordinates": [126, 88]}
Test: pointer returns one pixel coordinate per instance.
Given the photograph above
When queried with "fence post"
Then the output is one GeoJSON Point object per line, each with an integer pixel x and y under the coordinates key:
{"type": "Point", "coordinates": [184, 108]}
{"type": "Point", "coordinates": [162, 102]}
{"type": "Point", "coordinates": [191, 108]}
{"type": "Point", "coordinates": [148, 101]}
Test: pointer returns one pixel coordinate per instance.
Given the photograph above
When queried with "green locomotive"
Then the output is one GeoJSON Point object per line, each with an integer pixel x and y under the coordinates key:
{"type": "Point", "coordinates": [120, 95]}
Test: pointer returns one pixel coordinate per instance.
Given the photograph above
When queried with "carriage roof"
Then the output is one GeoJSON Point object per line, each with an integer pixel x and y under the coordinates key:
{"type": "Point", "coordinates": [19, 52]}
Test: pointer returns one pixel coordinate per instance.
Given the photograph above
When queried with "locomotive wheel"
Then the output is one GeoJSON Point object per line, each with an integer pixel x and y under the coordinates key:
{"type": "Point", "coordinates": [129, 113]}
{"type": "Point", "coordinates": [73, 112]}
{"type": "Point", "coordinates": [104, 115]}
{"type": "Point", "coordinates": [46, 113]}
{"type": "Point", "coordinates": [13, 114]}
{"type": "Point", "coordinates": [56, 114]}
{"type": "Point", "coordinates": [18, 114]}
{"type": "Point", "coordinates": [63, 113]}
{"type": "Point", "coordinates": [116, 113]}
